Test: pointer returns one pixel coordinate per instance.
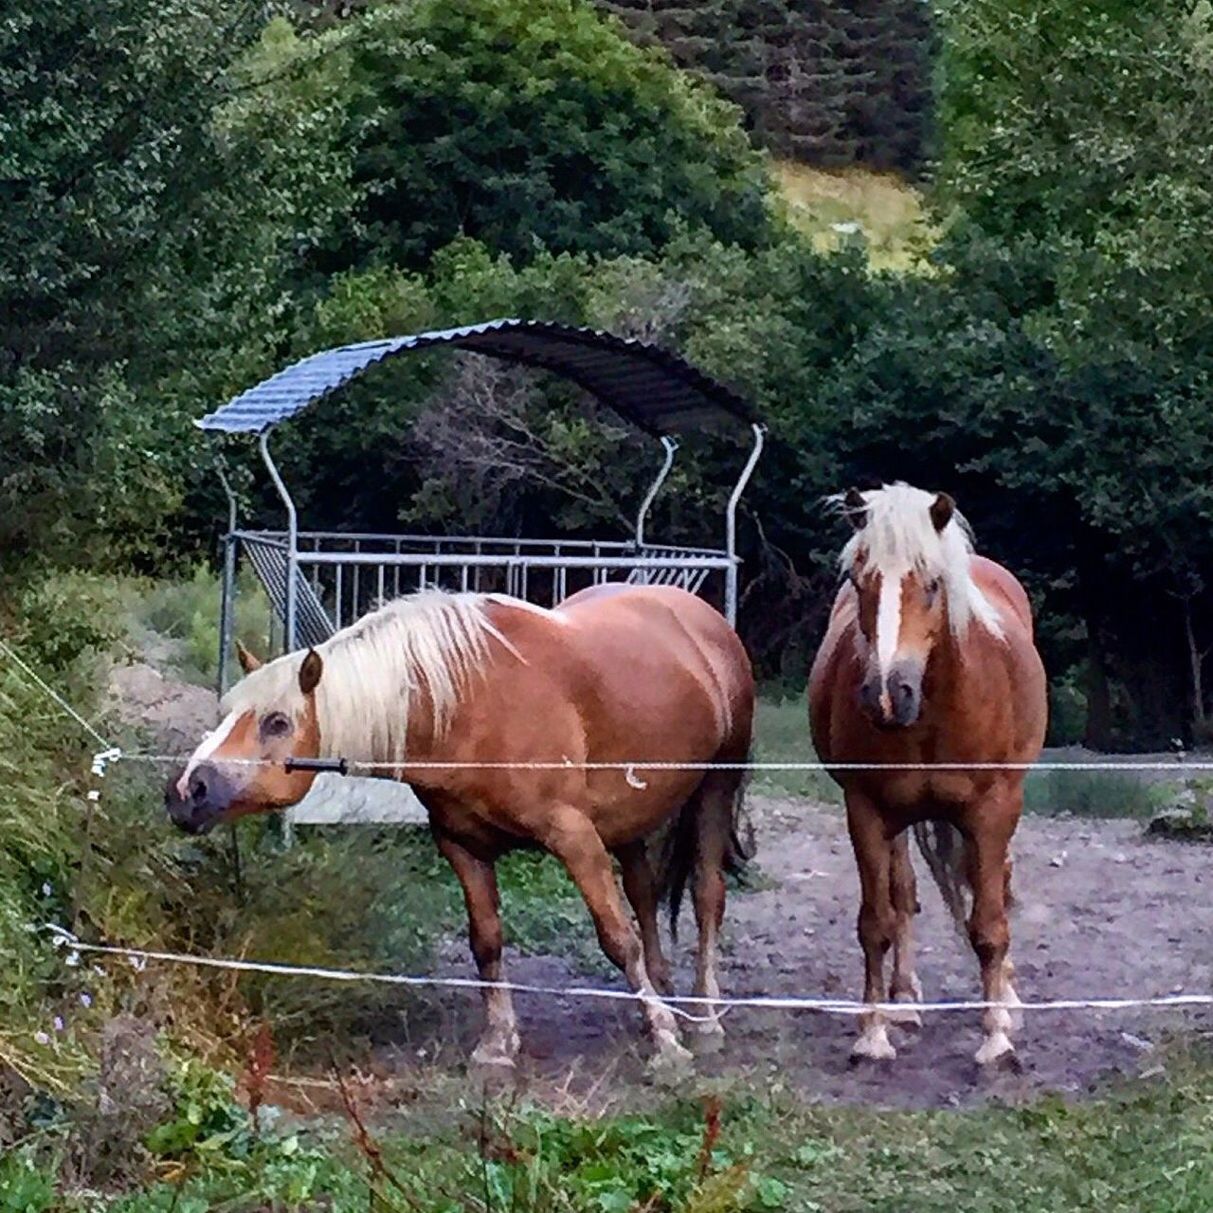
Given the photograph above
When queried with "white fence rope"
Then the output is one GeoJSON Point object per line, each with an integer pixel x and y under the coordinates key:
{"type": "Point", "coordinates": [678, 1004]}
{"type": "Point", "coordinates": [1177, 766]}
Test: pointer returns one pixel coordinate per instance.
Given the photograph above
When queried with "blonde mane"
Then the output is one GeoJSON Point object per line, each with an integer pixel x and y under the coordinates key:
{"type": "Point", "coordinates": [899, 537]}
{"type": "Point", "coordinates": [431, 641]}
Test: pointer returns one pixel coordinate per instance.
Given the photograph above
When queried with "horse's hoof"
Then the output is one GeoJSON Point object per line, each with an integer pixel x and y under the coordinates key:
{"type": "Point", "coordinates": [873, 1046]}
{"type": "Point", "coordinates": [671, 1061]}
{"type": "Point", "coordinates": [496, 1053]}
{"type": "Point", "coordinates": [997, 1055]}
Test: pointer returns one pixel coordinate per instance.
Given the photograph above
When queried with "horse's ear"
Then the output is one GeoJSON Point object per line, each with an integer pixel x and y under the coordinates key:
{"type": "Point", "coordinates": [310, 671]}
{"type": "Point", "coordinates": [248, 663]}
{"type": "Point", "coordinates": [855, 507]}
{"type": "Point", "coordinates": [942, 509]}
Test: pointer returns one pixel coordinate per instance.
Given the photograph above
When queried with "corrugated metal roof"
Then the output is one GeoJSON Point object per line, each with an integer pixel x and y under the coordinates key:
{"type": "Point", "coordinates": [648, 386]}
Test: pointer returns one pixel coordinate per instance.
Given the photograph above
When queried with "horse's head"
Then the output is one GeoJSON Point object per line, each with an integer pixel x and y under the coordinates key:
{"type": "Point", "coordinates": [902, 563]}
{"type": "Point", "coordinates": [240, 767]}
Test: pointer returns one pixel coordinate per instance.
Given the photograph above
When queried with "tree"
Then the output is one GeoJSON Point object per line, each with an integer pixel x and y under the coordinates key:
{"type": "Point", "coordinates": [824, 82]}
{"type": "Point", "coordinates": [1084, 132]}
{"type": "Point", "coordinates": [527, 125]}
{"type": "Point", "coordinates": [141, 261]}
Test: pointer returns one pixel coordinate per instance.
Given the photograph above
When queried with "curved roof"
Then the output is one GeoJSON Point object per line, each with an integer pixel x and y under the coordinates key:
{"type": "Point", "coordinates": [652, 388]}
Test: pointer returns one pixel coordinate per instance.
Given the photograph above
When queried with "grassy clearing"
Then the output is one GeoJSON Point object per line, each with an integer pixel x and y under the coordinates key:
{"type": "Point", "coordinates": [888, 212]}
{"type": "Point", "coordinates": [781, 734]}
{"type": "Point", "coordinates": [1143, 1145]}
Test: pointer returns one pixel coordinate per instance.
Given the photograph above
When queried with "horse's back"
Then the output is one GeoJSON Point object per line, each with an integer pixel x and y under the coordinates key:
{"type": "Point", "coordinates": [1004, 589]}
{"type": "Point", "coordinates": [654, 633]}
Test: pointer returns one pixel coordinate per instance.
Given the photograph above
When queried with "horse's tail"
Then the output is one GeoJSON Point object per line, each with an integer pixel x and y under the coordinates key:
{"type": "Point", "coordinates": [712, 822]}
{"type": "Point", "coordinates": [944, 848]}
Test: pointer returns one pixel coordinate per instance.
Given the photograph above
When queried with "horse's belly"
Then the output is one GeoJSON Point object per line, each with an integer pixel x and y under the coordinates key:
{"type": "Point", "coordinates": [631, 804]}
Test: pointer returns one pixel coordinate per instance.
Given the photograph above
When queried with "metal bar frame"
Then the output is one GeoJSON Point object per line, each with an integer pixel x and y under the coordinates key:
{"type": "Point", "coordinates": [292, 562]}
{"type": "Point", "coordinates": [717, 560]}
{"type": "Point", "coordinates": [292, 541]}
{"type": "Point", "coordinates": [671, 449]}
{"type": "Point", "coordinates": [509, 548]}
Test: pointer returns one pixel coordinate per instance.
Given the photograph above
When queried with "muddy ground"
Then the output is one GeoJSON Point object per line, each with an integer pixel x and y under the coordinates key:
{"type": "Point", "coordinates": [1102, 912]}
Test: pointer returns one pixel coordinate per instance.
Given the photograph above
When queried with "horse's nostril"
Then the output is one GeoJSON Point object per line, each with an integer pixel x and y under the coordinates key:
{"type": "Point", "coordinates": [198, 790]}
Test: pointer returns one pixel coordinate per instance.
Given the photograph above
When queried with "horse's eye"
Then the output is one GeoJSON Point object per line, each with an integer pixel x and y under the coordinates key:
{"type": "Point", "coordinates": [276, 724]}
{"type": "Point", "coordinates": [932, 589]}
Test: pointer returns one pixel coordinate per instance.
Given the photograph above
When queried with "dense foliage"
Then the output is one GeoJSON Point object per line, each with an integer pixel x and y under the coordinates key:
{"type": "Point", "coordinates": [347, 171]}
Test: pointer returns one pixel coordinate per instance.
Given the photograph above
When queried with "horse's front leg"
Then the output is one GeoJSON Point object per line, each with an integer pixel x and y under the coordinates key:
{"type": "Point", "coordinates": [877, 921]}
{"type": "Point", "coordinates": [498, 1044]}
{"type": "Point", "coordinates": [903, 887]}
{"type": "Point", "coordinates": [571, 837]}
{"type": "Point", "coordinates": [989, 931]}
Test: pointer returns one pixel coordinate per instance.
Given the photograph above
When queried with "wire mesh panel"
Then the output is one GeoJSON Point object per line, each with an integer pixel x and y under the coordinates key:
{"type": "Point", "coordinates": [340, 577]}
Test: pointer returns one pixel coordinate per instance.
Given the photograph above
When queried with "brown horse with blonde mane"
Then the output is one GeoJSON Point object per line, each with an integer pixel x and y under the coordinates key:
{"type": "Point", "coordinates": [928, 659]}
{"type": "Point", "coordinates": [616, 674]}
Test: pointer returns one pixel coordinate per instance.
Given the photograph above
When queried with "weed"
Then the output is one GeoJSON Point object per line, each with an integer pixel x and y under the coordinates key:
{"type": "Point", "coordinates": [187, 612]}
{"type": "Point", "coordinates": [1142, 1145]}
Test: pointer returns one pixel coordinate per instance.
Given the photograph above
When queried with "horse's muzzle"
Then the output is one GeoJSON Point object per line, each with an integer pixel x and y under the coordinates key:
{"type": "Point", "coordinates": [208, 794]}
{"type": "Point", "coordinates": [893, 701]}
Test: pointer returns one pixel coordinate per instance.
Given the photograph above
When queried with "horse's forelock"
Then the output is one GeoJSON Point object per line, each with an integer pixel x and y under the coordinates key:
{"type": "Point", "coordinates": [899, 537]}
{"type": "Point", "coordinates": [272, 687]}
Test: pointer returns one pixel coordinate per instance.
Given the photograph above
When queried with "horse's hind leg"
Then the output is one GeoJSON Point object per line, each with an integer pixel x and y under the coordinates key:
{"type": "Point", "coordinates": [498, 1044]}
{"type": "Point", "coordinates": [571, 837]}
{"type": "Point", "coordinates": [640, 889]}
{"type": "Point", "coordinates": [716, 798]}
{"type": "Point", "coordinates": [903, 887]}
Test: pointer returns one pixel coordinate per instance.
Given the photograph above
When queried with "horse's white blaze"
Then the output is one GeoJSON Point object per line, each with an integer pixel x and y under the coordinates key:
{"type": "Point", "coordinates": [888, 623]}
{"type": "Point", "coordinates": [899, 537]}
{"type": "Point", "coordinates": [210, 743]}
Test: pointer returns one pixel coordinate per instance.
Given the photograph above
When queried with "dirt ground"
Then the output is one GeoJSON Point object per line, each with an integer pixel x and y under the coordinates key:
{"type": "Point", "coordinates": [1102, 912]}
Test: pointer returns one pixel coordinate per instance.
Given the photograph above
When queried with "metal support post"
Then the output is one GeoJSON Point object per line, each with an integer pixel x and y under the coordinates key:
{"type": "Point", "coordinates": [671, 447]}
{"type": "Point", "coordinates": [730, 587]}
{"type": "Point", "coordinates": [227, 600]}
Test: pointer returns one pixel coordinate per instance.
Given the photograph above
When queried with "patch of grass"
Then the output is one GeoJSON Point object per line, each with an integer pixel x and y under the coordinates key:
{"type": "Point", "coordinates": [781, 734]}
{"type": "Point", "coordinates": [544, 914]}
{"type": "Point", "coordinates": [1141, 1145]}
{"type": "Point", "coordinates": [1090, 794]}
{"type": "Point", "coordinates": [887, 210]}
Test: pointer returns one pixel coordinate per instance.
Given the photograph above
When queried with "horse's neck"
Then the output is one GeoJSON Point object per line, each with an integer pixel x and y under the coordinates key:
{"type": "Point", "coordinates": [948, 671]}
{"type": "Point", "coordinates": [956, 668]}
